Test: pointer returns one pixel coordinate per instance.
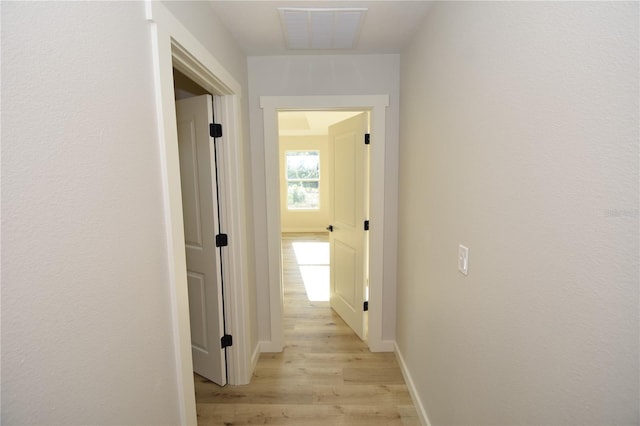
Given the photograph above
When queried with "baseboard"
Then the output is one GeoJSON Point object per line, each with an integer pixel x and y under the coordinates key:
{"type": "Point", "coordinates": [269, 346]}
{"type": "Point", "coordinates": [422, 413]}
{"type": "Point", "coordinates": [303, 230]}
{"type": "Point", "coordinates": [383, 346]}
{"type": "Point", "coordinates": [254, 359]}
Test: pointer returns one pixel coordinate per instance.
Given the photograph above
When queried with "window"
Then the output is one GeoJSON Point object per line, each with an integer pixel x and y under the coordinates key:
{"type": "Point", "coordinates": [303, 180]}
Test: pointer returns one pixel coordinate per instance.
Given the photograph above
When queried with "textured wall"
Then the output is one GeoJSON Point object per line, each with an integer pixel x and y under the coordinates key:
{"type": "Point", "coordinates": [519, 139]}
{"type": "Point", "coordinates": [87, 335]}
{"type": "Point", "coordinates": [86, 326]}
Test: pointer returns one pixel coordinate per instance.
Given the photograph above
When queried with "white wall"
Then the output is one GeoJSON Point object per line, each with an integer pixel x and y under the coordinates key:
{"type": "Point", "coordinates": [519, 139]}
{"type": "Point", "coordinates": [86, 319]}
{"type": "Point", "coordinates": [306, 220]}
{"type": "Point", "coordinates": [324, 75]}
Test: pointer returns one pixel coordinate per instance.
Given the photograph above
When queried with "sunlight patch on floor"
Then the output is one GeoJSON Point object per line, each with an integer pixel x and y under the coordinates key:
{"type": "Point", "coordinates": [316, 282]}
{"type": "Point", "coordinates": [313, 261]}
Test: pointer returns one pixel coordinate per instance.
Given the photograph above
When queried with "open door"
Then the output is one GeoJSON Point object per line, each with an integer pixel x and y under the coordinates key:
{"type": "Point", "coordinates": [350, 210]}
{"type": "Point", "coordinates": [200, 213]}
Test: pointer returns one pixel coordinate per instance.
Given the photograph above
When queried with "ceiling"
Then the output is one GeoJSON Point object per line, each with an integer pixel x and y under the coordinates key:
{"type": "Point", "coordinates": [310, 123]}
{"type": "Point", "coordinates": [387, 26]}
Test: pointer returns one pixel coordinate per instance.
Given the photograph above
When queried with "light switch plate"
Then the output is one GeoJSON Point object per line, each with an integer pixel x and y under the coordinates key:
{"type": "Point", "coordinates": [463, 259]}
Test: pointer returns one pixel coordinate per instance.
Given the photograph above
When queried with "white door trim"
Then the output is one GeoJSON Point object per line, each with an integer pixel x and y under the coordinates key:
{"type": "Point", "coordinates": [377, 104]}
{"type": "Point", "coordinates": [173, 45]}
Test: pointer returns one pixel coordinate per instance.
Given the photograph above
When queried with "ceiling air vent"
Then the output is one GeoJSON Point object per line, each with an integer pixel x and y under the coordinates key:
{"type": "Point", "coordinates": [320, 28]}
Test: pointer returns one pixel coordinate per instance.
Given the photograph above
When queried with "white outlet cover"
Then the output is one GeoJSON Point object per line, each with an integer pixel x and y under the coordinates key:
{"type": "Point", "coordinates": [463, 259]}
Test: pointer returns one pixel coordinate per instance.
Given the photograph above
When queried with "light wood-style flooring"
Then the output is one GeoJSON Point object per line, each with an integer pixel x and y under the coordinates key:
{"type": "Point", "coordinates": [325, 376]}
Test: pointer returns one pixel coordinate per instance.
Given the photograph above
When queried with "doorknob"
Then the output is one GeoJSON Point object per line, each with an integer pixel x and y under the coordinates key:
{"type": "Point", "coordinates": [329, 228]}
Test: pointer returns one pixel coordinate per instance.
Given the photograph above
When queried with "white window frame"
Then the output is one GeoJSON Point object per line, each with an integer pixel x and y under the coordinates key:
{"type": "Point", "coordinates": [287, 180]}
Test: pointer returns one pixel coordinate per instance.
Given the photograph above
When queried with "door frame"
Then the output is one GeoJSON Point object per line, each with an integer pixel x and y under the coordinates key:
{"type": "Point", "coordinates": [174, 46]}
{"type": "Point", "coordinates": [377, 105]}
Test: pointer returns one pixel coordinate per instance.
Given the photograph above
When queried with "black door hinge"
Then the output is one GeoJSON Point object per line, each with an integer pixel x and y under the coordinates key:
{"type": "Point", "coordinates": [222, 240]}
{"type": "Point", "coordinates": [226, 341]}
{"type": "Point", "coordinates": [367, 138]}
{"type": "Point", "coordinates": [366, 306]}
{"type": "Point", "coordinates": [366, 225]}
{"type": "Point", "coordinates": [215, 130]}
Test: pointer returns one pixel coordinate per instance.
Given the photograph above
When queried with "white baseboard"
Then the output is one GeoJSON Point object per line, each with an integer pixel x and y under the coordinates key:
{"type": "Point", "coordinates": [269, 346]}
{"type": "Point", "coordinates": [254, 359]}
{"type": "Point", "coordinates": [303, 230]}
{"type": "Point", "coordinates": [422, 413]}
{"type": "Point", "coordinates": [383, 346]}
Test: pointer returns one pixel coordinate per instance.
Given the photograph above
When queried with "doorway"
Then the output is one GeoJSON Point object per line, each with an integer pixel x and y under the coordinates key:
{"type": "Point", "coordinates": [324, 191]}
{"type": "Point", "coordinates": [202, 225]}
{"type": "Point", "coordinates": [376, 105]}
{"type": "Point", "coordinates": [174, 47]}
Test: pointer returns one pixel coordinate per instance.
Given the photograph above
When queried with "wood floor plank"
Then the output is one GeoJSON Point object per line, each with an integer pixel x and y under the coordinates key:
{"type": "Point", "coordinates": [361, 360]}
{"type": "Point", "coordinates": [298, 375]}
{"type": "Point", "coordinates": [322, 415]}
{"type": "Point", "coordinates": [325, 375]}
{"type": "Point", "coordinates": [373, 395]}
{"type": "Point", "coordinates": [382, 376]}
{"type": "Point", "coordinates": [258, 393]}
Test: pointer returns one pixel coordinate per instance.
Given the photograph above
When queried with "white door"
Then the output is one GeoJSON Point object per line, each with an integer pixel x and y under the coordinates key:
{"type": "Point", "coordinates": [349, 211]}
{"type": "Point", "coordinates": [200, 211]}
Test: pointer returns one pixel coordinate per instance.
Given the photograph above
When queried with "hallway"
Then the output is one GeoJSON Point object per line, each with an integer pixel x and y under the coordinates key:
{"type": "Point", "coordinates": [325, 375]}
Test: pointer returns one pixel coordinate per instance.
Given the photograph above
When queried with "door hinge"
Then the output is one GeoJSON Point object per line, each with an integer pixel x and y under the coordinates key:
{"type": "Point", "coordinates": [226, 341]}
{"type": "Point", "coordinates": [366, 306]}
{"type": "Point", "coordinates": [366, 225]}
{"type": "Point", "coordinates": [367, 138]}
{"type": "Point", "coordinates": [215, 130]}
{"type": "Point", "coordinates": [222, 240]}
